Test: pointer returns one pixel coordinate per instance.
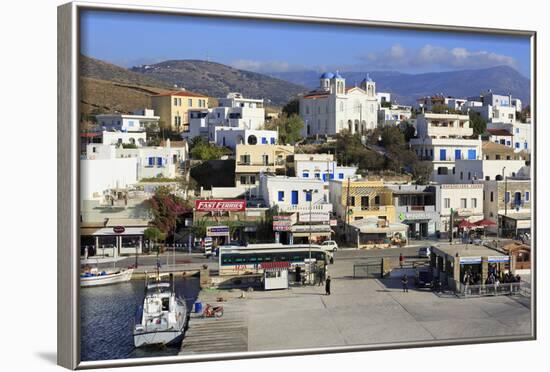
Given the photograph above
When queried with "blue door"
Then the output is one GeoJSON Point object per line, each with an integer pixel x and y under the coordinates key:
{"type": "Point", "coordinates": [471, 154]}
{"type": "Point", "coordinates": [294, 197]}
{"type": "Point", "coordinates": [325, 177]}
{"type": "Point", "coordinates": [458, 154]}
{"type": "Point", "coordinates": [442, 154]}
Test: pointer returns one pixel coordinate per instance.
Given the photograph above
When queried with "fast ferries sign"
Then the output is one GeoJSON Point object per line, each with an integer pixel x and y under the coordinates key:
{"type": "Point", "coordinates": [220, 205]}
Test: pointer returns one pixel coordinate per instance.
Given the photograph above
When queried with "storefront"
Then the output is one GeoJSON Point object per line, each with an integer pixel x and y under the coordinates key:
{"type": "Point", "coordinates": [300, 234]}
{"type": "Point", "coordinates": [515, 224]}
{"type": "Point", "coordinates": [421, 225]}
{"type": "Point", "coordinates": [459, 264]}
{"type": "Point", "coordinates": [117, 241]}
{"type": "Point", "coordinates": [368, 234]}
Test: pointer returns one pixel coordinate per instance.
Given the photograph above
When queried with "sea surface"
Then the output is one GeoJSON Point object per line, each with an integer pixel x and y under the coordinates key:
{"type": "Point", "coordinates": [108, 314]}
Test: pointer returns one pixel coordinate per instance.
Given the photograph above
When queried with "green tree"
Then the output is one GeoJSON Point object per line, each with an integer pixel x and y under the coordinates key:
{"type": "Point", "coordinates": [292, 108]}
{"type": "Point", "coordinates": [207, 151]}
{"type": "Point", "coordinates": [478, 124]}
{"type": "Point", "coordinates": [153, 234]}
{"type": "Point", "coordinates": [422, 171]}
{"type": "Point", "coordinates": [289, 128]}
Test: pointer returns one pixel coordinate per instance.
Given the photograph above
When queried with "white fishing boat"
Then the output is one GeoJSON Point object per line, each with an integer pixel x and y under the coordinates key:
{"type": "Point", "coordinates": [163, 317]}
{"type": "Point", "coordinates": [95, 277]}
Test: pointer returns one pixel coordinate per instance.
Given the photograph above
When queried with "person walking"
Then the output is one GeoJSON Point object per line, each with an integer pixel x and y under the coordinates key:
{"type": "Point", "coordinates": [327, 286]}
{"type": "Point", "coordinates": [405, 282]}
{"type": "Point", "coordinates": [321, 275]}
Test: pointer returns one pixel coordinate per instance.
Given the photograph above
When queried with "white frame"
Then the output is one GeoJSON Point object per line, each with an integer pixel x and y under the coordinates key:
{"type": "Point", "coordinates": [68, 324]}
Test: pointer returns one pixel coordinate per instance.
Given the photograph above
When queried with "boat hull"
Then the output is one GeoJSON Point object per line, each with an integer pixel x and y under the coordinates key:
{"type": "Point", "coordinates": [168, 337]}
{"type": "Point", "coordinates": [92, 281]}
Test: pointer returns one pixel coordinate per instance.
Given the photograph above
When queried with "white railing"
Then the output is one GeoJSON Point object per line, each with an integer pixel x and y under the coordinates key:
{"type": "Point", "coordinates": [325, 207]}
{"type": "Point", "coordinates": [500, 289]}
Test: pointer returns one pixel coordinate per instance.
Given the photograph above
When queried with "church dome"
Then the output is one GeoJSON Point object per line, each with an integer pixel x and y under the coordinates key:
{"type": "Point", "coordinates": [327, 75]}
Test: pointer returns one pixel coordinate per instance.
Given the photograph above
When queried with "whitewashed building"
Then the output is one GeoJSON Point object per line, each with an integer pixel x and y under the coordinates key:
{"type": "Point", "coordinates": [136, 122]}
{"type": "Point", "coordinates": [231, 137]}
{"type": "Point", "coordinates": [442, 139]}
{"type": "Point", "coordinates": [333, 107]}
{"type": "Point", "coordinates": [123, 138]}
{"type": "Point", "coordinates": [321, 167]}
{"type": "Point", "coordinates": [234, 111]}
{"type": "Point", "coordinates": [474, 170]}
{"type": "Point", "coordinates": [464, 199]}
{"type": "Point", "coordinates": [394, 115]}
{"type": "Point", "coordinates": [519, 134]}
{"type": "Point", "coordinates": [493, 107]}
{"type": "Point", "coordinates": [149, 161]}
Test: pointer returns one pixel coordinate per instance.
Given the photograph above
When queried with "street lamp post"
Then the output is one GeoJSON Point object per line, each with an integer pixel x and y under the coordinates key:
{"type": "Point", "coordinates": [310, 192]}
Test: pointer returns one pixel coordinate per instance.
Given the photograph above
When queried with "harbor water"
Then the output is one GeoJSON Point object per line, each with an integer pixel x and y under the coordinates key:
{"type": "Point", "coordinates": [108, 315]}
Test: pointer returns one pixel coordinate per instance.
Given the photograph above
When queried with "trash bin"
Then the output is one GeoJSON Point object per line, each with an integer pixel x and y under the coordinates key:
{"type": "Point", "coordinates": [198, 307]}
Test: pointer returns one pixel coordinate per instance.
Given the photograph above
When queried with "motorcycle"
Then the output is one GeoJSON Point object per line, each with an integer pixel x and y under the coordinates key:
{"type": "Point", "coordinates": [212, 311]}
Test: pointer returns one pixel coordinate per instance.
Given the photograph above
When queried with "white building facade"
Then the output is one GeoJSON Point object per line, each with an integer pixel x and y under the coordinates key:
{"type": "Point", "coordinates": [333, 107]}
{"type": "Point", "coordinates": [321, 167]}
{"type": "Point", "coordinates": [234, 111]}
{"type": "Point", "coordinates": [465, 200]}
{"type": "Point", "coordinates": [442, 139]}
{"type": "Point", "coordinates": [231, 137]}
{"type": "Point", "coordinates": [139, 121]}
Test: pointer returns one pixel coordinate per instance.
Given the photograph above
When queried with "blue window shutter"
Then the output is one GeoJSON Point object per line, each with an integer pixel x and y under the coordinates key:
{"type": "Point", "coordinates": [294, 197]}
{"type": "Point", "coordinates": [442, 154]}
{"type": "Point", "coordinates": [264, 141]}
{"type": "Point", "coordinates": [159, 162]}
{"type": "Point", "coordinates": [281, 196]}
{"type": "Point", "coordinates": [324, 177]}
{"type": "Point", "coordinates": [272, 140]}
{"type": "Point", "coordinates": [340, 176]}
{"type": "Point", "coordinates": [471, 154]}
{"type": "Point", "coordinates": [526, 196]}
{"type": "Point", "coordinates": [457, 154]}
{"type": "Point", "coordinates": [525, 145]}
{"type": "Point", "coordinates": [517, 145]}
{"type": "Point", "coordinates": [332, 176]}
{"type": "Point", "coordinates": [151, 161]}
{"type": "Point", "coordinates": [308, 196]}
{"type": "Point", "coordinates": [305, 175]}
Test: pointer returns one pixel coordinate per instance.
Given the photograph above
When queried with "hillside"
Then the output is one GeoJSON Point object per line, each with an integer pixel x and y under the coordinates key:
{"type": "Point", "coordinates": [406, 88]}
{"type": "Point", "coordinates": [102, 96]}
{"type": "Point", "coordinates": [216, 80]}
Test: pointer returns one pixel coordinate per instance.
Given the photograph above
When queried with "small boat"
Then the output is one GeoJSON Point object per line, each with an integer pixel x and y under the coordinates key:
{"type": "Point", "coordinates": [162, 320]}
{"type": "Point", "coordinates": [92, 277]}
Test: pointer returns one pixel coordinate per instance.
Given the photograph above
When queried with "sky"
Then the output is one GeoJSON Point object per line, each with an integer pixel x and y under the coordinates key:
{"type": "Point", "coordinates": [132, 39]}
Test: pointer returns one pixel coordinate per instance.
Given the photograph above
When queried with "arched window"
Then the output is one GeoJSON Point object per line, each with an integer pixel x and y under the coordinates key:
{"type": "Point", "coordinates": [252, 140]}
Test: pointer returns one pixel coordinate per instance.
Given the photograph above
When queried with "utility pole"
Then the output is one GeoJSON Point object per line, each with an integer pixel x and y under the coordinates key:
{"type": "Point", "coordinates": [310, 193]}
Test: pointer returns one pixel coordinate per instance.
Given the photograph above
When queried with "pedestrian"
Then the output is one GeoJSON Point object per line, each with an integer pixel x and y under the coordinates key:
{"type": "Point", "coordinates": [401, 260]}
{"type": "Point", "coordinates": [321, 276]}
{"type": "Point", "coordinates": [327, 286]}
{"type": "Point", "coordinates": [405, 282]}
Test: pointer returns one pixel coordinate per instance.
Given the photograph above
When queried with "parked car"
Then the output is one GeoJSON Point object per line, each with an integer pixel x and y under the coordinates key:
{"type": "Point", "coordinates": [423, 278]}
{"type": "Point", "coordinates": [424, 252]}
{"type": "Point", "coordinates": [330, 245]}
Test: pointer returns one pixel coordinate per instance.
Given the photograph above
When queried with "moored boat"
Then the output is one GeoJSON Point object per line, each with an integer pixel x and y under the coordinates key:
{"type": "Point", "coordinates": [96, 277]}
{"type": "Point", "coordinates": [163, 317]}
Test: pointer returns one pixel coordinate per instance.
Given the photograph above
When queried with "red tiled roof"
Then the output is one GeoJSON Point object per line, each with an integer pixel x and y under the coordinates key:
{"type": "Point", "coordinates": [181, 93]}
{"type": "Point", "coordinates": [499, 132]}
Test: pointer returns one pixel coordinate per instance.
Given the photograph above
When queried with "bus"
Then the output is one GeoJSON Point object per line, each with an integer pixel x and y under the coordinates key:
{"type": "Point", "coordinates": [255, 258]}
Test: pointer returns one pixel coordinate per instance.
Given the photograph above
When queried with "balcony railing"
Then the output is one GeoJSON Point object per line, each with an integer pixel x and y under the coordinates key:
{"type": "Point", "coordinates": [290, 208]}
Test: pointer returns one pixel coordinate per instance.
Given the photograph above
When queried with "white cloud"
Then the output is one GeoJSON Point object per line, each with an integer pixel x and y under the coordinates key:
{"type": "Point", "coordinates": [266, 66]}
{"type": "Point", "coordinates": [431, 57]}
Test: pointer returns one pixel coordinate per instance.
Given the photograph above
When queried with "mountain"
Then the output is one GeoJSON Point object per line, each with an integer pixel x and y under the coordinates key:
{"type": "Point", "coordinates": [406, 88]}
{"type": "Point", "coordinates": [216, 80]}
{"type": "Point", "coordinates": [99, 70]}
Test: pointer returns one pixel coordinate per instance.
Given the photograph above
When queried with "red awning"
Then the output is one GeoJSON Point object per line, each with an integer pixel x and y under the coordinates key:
{"type": "Point", "coordinates": [465, 224]}
{"type": "Point", "coordinates": [484, 222]}
{"type": "Point", "coordinates": [275, 265]}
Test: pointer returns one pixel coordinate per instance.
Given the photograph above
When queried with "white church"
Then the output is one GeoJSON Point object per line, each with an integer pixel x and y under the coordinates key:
{"type": "Point", "coordinates": [333, 107]}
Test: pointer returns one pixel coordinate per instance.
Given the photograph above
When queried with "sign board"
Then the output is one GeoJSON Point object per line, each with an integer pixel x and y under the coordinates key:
{"type": "Point", "coordinates": [118, 229]}
{"type": "Point", "coordinates": [281, 225]}
{"type": "Point", "coordinates": [207, 245]}
{"type": "Point", "coordinates": [220, 205]}
{"type": "Point", "coordinates": [275, 265]}
{"type": "Point", "coordinates": [493, 259]}
{"type": "Point", "coordinates": [470, 260]}
{"type": "Point", "coordinates": [217, 230]}
{"type": "Point", "coordinates": [315, 217]}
